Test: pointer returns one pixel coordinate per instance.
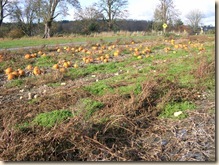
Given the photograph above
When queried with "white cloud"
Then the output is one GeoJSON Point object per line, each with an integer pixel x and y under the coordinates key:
{"type": "Point", "coordinates": [206, 6]}
{"type": "Point", "coordinates": [144, 9]}
{"type": "Point", "coordinates": [141, 9]}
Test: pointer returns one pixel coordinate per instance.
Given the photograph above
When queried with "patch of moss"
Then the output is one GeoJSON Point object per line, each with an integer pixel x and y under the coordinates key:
{"type": "Point", "coordinates": [89, 106]}
{"type": "Point", "coordinates": [15, 83]}
{"type": "Point", "coordinates": [49, 119]}
{"type": "Point", "coordinates": [99, 88]}
{"type": "Point", "coordinates": [173, 107]}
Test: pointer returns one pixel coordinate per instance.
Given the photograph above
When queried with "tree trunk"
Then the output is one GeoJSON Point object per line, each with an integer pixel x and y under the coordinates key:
{"type": "Point", "coordinates": [1, 14]}
{"type": "Point", "coordinates": [48, 26]}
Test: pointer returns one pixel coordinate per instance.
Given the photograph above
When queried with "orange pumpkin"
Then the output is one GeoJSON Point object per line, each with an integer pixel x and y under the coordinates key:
{"type": "Point", "coordinates": [66, 65]}
{"type": "Point", "coordinates": [56, 66]}
{"type": "Point", "coordinates": [1, 58]}
{"type": "Point", "coordinates": [33, 55]}
{"type": "Point", "coordinates": [27, 56]}
{"type": "Point", "coordinates": [36, 70]}
{"type": "Point", "coordinates": [107, 56]}
{"type": "Point", "coordinates": [63, 70]}
{"type": "Point", "coordinates": [8, 70]}
{"type": "Point", "coordinates": [29, 67]}
{"type": "Point", "coordinates": [21, 72]}
{"type": "Point", "coordinates": [40, 52]}
{"type": "Point", "coordinates": [75, 65]}
{"type": "Point", "coordinates": [105, 60]}
{"type": "Point", "coordinates": [15, 73]}
{"type": "Point", "coordinates": [10, 76]}
{"type": "Point", "coordinates": [69, 63]}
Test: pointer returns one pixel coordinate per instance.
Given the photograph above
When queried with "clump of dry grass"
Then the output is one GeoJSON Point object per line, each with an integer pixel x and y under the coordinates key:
{"type": "Point", "coordinates": [129, 133]}
{"type": "Point", "coordinates": [126, 129]}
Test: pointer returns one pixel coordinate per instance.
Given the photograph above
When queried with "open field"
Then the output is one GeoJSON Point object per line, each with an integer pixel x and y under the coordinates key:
{"type": "Point", "coordinates": [118, 98]}
{"type": "Point", "coordinates": [74, 38]}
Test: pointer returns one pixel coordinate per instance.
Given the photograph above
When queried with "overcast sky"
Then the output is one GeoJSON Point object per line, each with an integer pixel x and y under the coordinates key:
{"type": "Point", "coordinates": [144, 9]}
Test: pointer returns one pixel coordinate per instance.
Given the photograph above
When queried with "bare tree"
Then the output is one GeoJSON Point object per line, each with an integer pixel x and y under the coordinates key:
{"type": "Point", "coordinates": [89, 18]}
{"type": "Point", "coordinates": [112, 9]}
{"type": "Point", "coordinates": [88, 13]}
{"type": "Point", "coordinates": [24, 13]}
{"type": "Point", "coordinates": [194, 18]}
{"type": "Point", "coordinates": [3, 10]}
{"type": "Point", "coordinates": [50, 12]}
{"type": "Point", "coordinates": [166, 12]}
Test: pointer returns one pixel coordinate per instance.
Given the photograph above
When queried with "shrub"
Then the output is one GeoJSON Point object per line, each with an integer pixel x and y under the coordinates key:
{"type": "Point", "coordinates": [211, 31]}
{"type": "Point", "coordinates": [15, 33]}
{"type": "Point", "coordinates": [3, 32]}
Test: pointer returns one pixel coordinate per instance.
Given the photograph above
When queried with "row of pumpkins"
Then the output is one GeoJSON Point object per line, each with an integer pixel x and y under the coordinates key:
{"type": "Point", "coordinates": [11, 74]}
{"type": "Point", "coordinates": [61, 66]}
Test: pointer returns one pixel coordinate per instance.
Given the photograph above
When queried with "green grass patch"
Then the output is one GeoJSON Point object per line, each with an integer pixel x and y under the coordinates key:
{"type": "Point", "coordinates": [129, 88]}
{"type": "Point", "coordinates": [33, 101]}
{"type": "Point", "coordinates": [99, 88]}
{"type": "Point", "coordinates": [172, 107]}
{"type": "Point", "coordinates": [56, 84]}
{"type": "Point", "coordinates": [94, 69]}
{"type": "Point", "coordinates": [49, 119]}
{"type": "Point", "coordinates": [88, 107]}
{"type": "Point", "coordinates": [37, 41]}
{"type": "Point", "coordinates": [22, 127]}
{"type": "Point", "coordinates": [157, 47]}
{"type": "Point", "coordinates": [14, 83]}
{"type": "Point", "coordinates": [45, 61]}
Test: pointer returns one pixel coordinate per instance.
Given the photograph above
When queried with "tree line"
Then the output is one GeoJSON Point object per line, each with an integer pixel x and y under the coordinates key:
{"type": "Point", "coordinates": [38, 17]}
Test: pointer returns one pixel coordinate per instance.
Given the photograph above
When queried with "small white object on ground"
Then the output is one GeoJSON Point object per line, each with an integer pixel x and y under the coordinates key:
{"type": "Point", "coordinates": [177, 113]}
{"type": "Point", "coordinates": [63, 84]}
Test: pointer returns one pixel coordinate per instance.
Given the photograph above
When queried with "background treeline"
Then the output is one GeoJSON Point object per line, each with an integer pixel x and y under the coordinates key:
{"type": "Point", "coordinates": [86, 27]}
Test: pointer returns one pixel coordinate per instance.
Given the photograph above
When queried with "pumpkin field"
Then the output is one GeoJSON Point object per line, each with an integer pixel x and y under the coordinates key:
{"type": "Point", "coordinates": [123, 99]}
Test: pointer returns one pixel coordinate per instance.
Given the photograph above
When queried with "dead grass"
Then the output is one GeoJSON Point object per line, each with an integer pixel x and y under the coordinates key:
{"type": "Point", "coordinates": [127, 128]}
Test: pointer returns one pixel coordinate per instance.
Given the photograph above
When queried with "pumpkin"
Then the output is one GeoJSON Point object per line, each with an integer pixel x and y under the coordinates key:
{"type": "Point", "coordinates": [107, 56]}
{"type": "Point", "coordinates": [8, 70]}
{"type": "Point", "coordinates": [66, 65]}
{"type": "Point", "coordinates": [139, 57]}
{"type": "Point", "coordinates": [87, 61]}
{"type": "Point", "coordinates": [56, 66]}
{"type": "Point", "coordinates": [69, 63]}
{"type": "Point", "coordinates": [1, 58]}
{"type": "Point", "coordinates": [36, 70]}
{"type": "Point", "coordinates": [27, 56]}
{"type": "Point", "coordinates": [15, 73]}
{"type": "Point", "coordinates": [91, 59]}
{"type": "Point", "coordinates": [116, 53]}
{"type": "Point", "coordinates": [75, 65]}
{"type": "Point", "coordinates": [101, 58]}
{"type": "Point", "coordinates": [29, 67]}
{"type": "Point", "coordinates": [40, 52]}
{"type": "Point", "coordinates": [21, 72]}
{"type": "Point", "coordinates": [63, 70]}
{"type": "Point", "coordinates": [10, 76]}
{"type": "Point", "coordinates": [105, 60]}
{"type": "Point", "coordinates": [33, 55]}
{"type": "Point", "coordinates": [94, 48]}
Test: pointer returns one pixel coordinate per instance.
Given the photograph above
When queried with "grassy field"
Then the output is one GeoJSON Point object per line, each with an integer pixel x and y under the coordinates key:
{"type": "Point", "coordinates": [39, 41]}
{"type": "Point", "coordinates": [101, 99]}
